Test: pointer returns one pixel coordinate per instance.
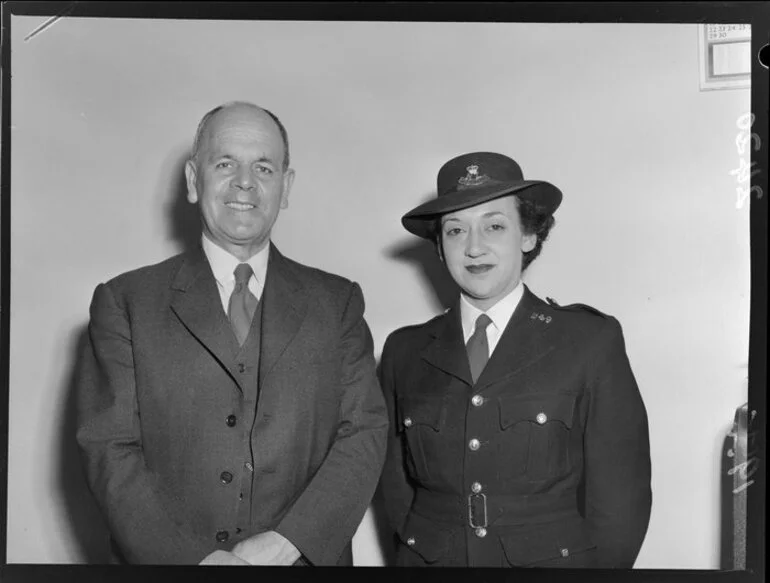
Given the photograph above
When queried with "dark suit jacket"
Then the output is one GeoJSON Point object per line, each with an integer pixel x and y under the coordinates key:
{"type": "Point", "coordinates": [159, 381]}
{"type": "Point", "coordinates": [563, 449]}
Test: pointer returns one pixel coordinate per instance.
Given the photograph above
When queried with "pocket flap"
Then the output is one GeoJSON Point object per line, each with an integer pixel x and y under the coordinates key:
{"type": "Point", "coordinates": [428, 539]}
{"type": "Point", "coordinates": [539, 409]}
{"type": "Point", "coordinates": [422, 411]}
{"type": "Point", "coordinates": [542, 543]}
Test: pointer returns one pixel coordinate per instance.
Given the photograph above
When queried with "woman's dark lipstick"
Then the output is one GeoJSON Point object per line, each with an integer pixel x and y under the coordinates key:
{"type": "Point", "coordinates": [481, 268]}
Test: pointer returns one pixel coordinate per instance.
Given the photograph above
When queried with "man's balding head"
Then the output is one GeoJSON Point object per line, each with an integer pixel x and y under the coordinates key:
{"type": "Point", "coordinates": [200, 133]}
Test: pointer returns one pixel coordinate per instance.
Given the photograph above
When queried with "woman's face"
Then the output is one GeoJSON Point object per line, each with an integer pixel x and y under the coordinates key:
{"type": "Point", "coordinates": [482, 247]}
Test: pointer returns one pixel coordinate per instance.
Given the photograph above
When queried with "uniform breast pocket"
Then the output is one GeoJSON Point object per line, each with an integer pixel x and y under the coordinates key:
{"type": "Point", "coordinates": [536, 428]}
{"type": "Point", "coordinates": [421, 420]}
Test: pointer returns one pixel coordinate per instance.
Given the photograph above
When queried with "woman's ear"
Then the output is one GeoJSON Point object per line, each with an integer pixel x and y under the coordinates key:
{"type": "Point", "coordinates": [528, 242]}
{"type": "Point", "coordinates": [439, 250]}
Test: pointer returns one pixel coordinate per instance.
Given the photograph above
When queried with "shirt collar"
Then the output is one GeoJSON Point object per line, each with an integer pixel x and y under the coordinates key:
{"type": "Point", "coordinates": [223, 264]}
{"type": "Point", "coordinates": [500, 313]}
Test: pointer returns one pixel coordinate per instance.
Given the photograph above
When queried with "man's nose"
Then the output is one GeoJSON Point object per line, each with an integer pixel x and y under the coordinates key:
{"type": "Point", "coordinates": [244, 179]}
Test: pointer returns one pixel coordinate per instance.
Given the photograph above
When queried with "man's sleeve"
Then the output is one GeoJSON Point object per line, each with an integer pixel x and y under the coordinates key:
{"type": "Point", "coordinates": [324, 518]}
{"type": "Point", "coordinates": [617, 454]}
{"type": "Point", "coordinates": [396, 489]}
{"type": "Point", "coordinates": [110, 440]}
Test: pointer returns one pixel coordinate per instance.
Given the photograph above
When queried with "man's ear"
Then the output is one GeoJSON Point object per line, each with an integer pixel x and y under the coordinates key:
{"type": "Point", "coordinates": [191, 175]}
{"type": "Point", "coordinates": [288, 180]}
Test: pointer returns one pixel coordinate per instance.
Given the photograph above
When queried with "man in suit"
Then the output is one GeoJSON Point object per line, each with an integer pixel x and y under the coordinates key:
{"type": "Point", "coordinates": [229, 411]}
{"type": "Point", "coordinates": [518, 433]}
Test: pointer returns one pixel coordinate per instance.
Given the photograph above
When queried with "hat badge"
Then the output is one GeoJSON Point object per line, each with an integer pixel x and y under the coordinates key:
{"type": "Point", "coordinates": [472, 178]}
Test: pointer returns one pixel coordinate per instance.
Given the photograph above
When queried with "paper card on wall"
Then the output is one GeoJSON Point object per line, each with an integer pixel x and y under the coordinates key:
{"type": "Point", "coordinates": [725, 56]}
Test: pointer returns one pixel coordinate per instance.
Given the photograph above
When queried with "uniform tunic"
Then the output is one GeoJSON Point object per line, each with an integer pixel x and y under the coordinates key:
{"type": "Point", "coordinates": [544, 461]}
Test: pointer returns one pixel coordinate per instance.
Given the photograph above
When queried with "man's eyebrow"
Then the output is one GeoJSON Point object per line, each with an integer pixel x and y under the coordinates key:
{"type": "Point", "coordinates": [226, 156]}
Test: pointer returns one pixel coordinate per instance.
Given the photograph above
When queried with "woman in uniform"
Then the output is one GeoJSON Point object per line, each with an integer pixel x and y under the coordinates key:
{"type": "Point", "coordinates": [518, 433]}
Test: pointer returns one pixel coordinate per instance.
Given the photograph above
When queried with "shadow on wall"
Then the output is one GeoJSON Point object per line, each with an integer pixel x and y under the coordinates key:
{"type": "Point", "coordinates": [422, 253]}
{"type": "Point", "coordinates": [738, 464]}
{"type": "Point", "coordinates": [86, 524]}
{"type": "Point", "coordinates": [182, 216]}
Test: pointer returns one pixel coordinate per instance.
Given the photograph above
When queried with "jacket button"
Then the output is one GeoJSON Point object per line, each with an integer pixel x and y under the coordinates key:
{"type": "Point", "coordinates": [410, 541]}
{"type": "Point", "coordinates": [231, 420]}
{"type": "Point", "coordinates": [408, 422]}
{"type": "Point", "coordinates": [222, 536]}
{"type": "Point", "coordinates": [226, 477]}
{"type": "Point", "coordinates": [481, 532]}
{"type": "Point", "coordinates": [474, 444]}
{"type": "Point", "coordinates": [477, 400]}
{"type": "Point", "coordinates": [541, 418]}
{"type": "Point", "coordinates": [476, 487]}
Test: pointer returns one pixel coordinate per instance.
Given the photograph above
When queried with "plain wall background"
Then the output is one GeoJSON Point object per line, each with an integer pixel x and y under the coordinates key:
{"type": "Point", "coordinates": [103, 111]}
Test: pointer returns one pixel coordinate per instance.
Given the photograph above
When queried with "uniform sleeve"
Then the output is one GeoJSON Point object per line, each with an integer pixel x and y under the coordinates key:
{"type": "Point", "coordinates": [396, 489]}
{"type": "Point", "coordinates": [617, 454]}
{"type": "Point", "coordinates": [324, 518]}
{"type": "Point", "coordinates": [109, 436]}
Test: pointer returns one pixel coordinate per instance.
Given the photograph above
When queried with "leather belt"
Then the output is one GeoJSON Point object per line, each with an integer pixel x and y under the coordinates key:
{"type": "Point", "coordinates": [482, 510]}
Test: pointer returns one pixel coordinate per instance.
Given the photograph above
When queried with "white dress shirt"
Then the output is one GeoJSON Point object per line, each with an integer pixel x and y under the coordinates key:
{"type": "Point", "coordinates": [223, 266]}
{"type": "Point", "coordinates": [500, 314]}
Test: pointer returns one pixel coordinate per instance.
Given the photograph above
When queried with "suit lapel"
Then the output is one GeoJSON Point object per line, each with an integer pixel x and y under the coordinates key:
{"type": "Point", "coordinates": [524, 341]}
{"type": "Point", "coordinates": [197, 304]}
{"type": "Point", "coordinates": [447, 350]}
{"type": "Point", "coordinates": [284, 309]}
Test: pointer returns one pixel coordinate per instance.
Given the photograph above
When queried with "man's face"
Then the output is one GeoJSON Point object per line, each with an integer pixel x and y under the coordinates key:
{"type": "Point", "coordinates": [482, 247]}
{"type": "Point", "coordinates": [238, 181]}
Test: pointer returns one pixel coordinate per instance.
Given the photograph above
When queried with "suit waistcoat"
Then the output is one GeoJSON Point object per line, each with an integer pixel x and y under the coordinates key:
{"type": "Point", "coordinates": [246, 358]}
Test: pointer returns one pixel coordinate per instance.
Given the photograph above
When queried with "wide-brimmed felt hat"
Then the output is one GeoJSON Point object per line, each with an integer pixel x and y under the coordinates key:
{"type": "Point", "coordinates": [475, 178]}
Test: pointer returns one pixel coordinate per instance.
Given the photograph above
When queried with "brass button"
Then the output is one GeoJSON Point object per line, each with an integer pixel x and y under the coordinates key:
{"type": "Point", "coordinates": [407, 422]}
{"type": "Point", "coordinates": [226, 477]}
{"type": "Point", "coordinates": [222, 536]}
{"type": "Point", "coordinates": [565, 552]}
{"type": "Point", "coordinates": [410, 541]}
{"type": "Point", "coordinates": [474, 444]}
{"type": "Point", "coordinates": [481, 532]}
{"type": "Point", "coordinates": [476, 487]}
{"type": "Point", "coordinates": [477, 400]}
{"type": "Point", "coordinates": [541, 418]}
{"type": "Point", "coordinates": [231, 420]}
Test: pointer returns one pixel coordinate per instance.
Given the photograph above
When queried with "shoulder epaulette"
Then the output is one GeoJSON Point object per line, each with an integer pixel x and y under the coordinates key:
{"type": "Point", "coordinates": [582, 307]}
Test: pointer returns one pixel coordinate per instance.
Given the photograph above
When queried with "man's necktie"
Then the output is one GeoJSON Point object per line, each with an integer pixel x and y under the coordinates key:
{"type": "Point", "coordinates": [478, 347]}
{"type": "Point", "coordinates": [243, 304]}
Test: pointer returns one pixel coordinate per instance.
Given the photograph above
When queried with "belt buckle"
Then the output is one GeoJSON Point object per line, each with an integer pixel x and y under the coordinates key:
{"type": "Point", "coordinates": [471, 514]}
